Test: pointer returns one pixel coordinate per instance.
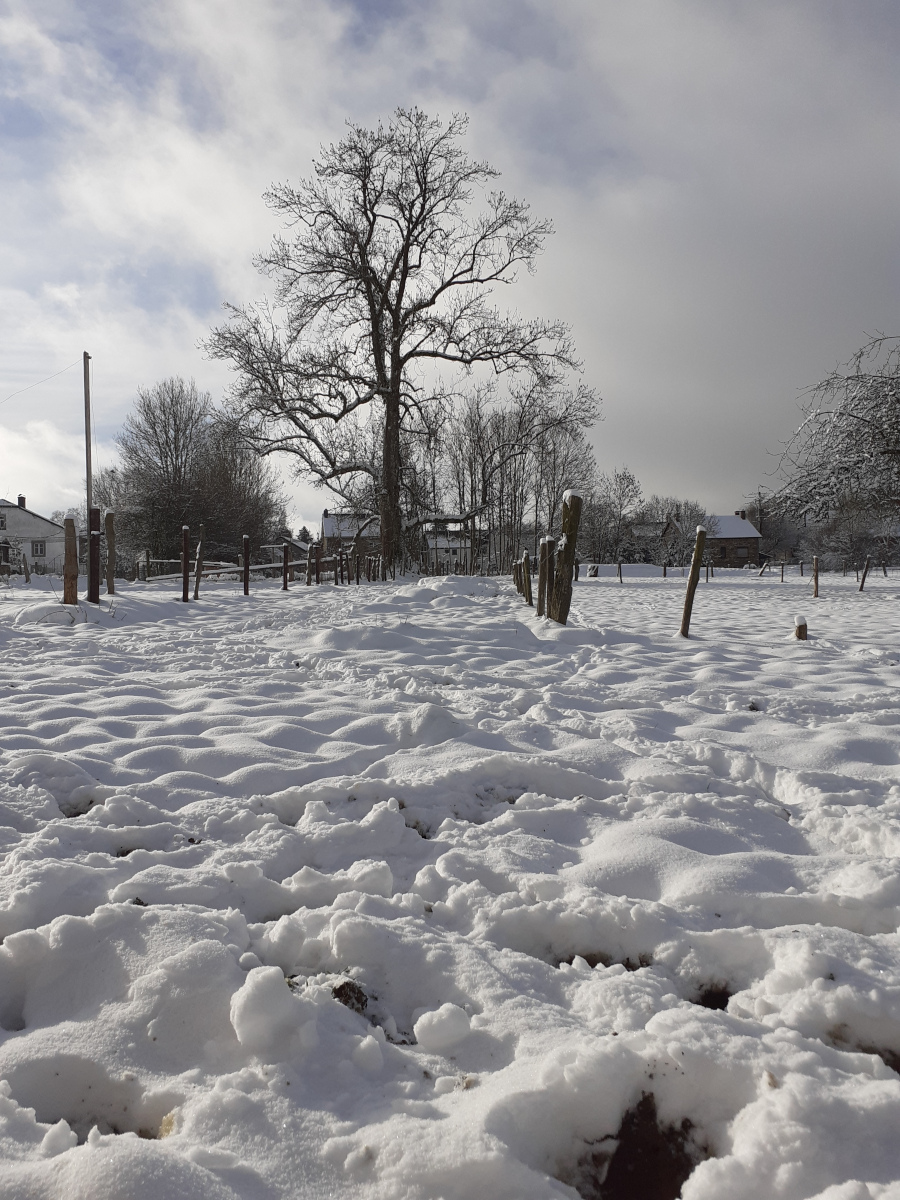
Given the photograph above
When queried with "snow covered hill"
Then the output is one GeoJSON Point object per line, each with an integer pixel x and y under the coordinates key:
{"type": "Point", "coordinates": [398, 893]}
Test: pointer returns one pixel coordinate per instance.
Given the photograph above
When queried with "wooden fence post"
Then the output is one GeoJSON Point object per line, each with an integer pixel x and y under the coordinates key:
{"type": "Point", "coordinates": [782, 572]}
{"type": "Point", "coordinates": [619, 572]}
{"type": "Point", "coordinates": [801, 568]}
{"type": "Point", "coordinates": [319, 563]}
{"type": "Point", "coordinates": [309, 565]}
{"type": "Point", "coordinates": [110, 554]}
{"type": "Point", "coordinates": [884, 569]}
{"type": "Point", "coordinates": [199, 571]}
{"type": "Point", "coordinates": [707, 572]}
{"type": "Point", "coordinates": [285, 565]}
{"type": "Point", "coordinates": [357, 569]}
{"type": "Point", "coordinates": [664, 570]}
{"type": "Point", "coordinates": [185, 563]}
{"type": "Point", "coordinates": [560, 597]}
{"type": "Point", "coordinates": [865, 572]}
{"type": "Point", "coordinates": [526, 578]}
{"type": "Point", "coordinates": [693, 580]}
{"type": "Point", "coordinates": [94, 556]}
{"type": "Point", "coordinates": [146, 564]}
{"type": "Point", "coordinates": [70, 570]}
{"type": "Point", "coordinates": [815, 576]}
{"type": "Point", "coordinates": [246, 564]}
{"type": "Point", "coordinates": [336, 559]}
{"type": "Point", "coordinates": [800, 629]}
{"type": "Point", "coordinates": [544, 559]}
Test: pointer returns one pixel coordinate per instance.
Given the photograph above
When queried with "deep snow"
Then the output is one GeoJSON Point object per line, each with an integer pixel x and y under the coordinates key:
{"type": "Point", "coordinates": [521, 855]}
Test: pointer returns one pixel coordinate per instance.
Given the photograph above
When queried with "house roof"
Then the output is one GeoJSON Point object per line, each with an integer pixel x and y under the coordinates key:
{"type": "Point", "coordinates": [733, 527]}
{"type": "Point", "coordinates": [30, 511]}
{"type": "Point", "coordinates": [346, 525]}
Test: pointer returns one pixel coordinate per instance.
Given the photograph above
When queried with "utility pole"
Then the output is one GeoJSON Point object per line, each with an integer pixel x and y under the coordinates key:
{"type": "Point", "coordinates": [87, 427]}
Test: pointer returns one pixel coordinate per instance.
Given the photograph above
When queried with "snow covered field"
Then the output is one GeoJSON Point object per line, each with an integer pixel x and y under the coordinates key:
{"type": "Point", "coordinates": [537, 893]}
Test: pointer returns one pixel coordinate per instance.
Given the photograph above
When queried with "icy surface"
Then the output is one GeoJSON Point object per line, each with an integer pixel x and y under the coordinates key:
{"type": "Point", "coordinates": [399, 892]}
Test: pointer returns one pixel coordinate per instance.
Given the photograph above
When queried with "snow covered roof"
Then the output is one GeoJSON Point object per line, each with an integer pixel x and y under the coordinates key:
{"type": "Point", "coordinates": [733, 527]}
{"type": "Point", "coordinates": [344, 524]}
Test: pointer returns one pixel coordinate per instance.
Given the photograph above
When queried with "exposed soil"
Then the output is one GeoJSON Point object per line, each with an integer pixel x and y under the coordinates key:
{"type": "Point", "coordinates": [351, 994]}
{"type": "Point", "coordinates": [714, 995]}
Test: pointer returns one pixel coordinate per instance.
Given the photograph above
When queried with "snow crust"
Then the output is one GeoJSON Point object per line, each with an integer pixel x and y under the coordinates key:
{"type": "Point", "coordinates": [399, 892]}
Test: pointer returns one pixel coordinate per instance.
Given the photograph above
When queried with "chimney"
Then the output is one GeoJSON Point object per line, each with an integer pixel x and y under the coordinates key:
{"type": "Point", "coordinates": [21, 500]}
{"type": "Point", "coordinates": [737, 512]}
{"type": "Point", "coordinates": [743, 514]}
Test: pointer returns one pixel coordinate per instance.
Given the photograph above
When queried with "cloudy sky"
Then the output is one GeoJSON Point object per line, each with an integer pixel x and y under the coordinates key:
{"type": "Point", "coordinates": [723, 176]}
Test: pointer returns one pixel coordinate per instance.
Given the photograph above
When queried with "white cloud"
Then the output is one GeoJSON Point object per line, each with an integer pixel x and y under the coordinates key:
{"type": "Point", "coordinates": [723, 179]}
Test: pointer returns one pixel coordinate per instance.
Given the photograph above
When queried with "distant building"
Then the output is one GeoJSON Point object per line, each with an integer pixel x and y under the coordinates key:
{"type": "Point", "coordinates": [735, 542]}
{"type": "Point", "coordinates": [22, 531]}
{"type": "Point", "coordinates": [339, 531]}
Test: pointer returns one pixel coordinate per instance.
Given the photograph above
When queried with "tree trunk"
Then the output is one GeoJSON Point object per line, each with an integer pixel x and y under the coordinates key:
{"type": "Point", "coordinates": [389, 500]}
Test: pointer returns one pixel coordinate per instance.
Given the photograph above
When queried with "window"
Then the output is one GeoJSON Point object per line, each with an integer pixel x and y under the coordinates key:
{"type": "Point", "coordinates": [723, 553]}
{"type": "Point", "coordinates": [742, 552]}
{"type": "Point", "coordinates": [2, 520]}
{"type": "Point", "coordinates": [38, 549]}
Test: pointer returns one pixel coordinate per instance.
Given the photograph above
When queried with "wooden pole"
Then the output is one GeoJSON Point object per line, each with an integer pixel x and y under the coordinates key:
{"type": "Point", "coordinates": [782, 572]}
{"type": "Point", "coordinates": [815, 577]}
{"type": "Point", "coordinates": [199, 570]}
{"type": "Point", "coordinates": [526, 578]}
{"type": "Point", "coordinates": [146, 564]}
{"type": "Point", "coordinates": [94, 556]}
{"type": "Point", "coordinates": [319, 564]}
{"type": "Point", "coordinates": [800, 629]}
{"type": "Point", "coordinates": [110, 527]}
{"type": "Point", "coordinates": [543, 556]}
{"type": "Point", "coordinates": [87, 435]}
{"type": "Point", "coordinates": [285, 565]}
{"type": "Point", "coordinates": [560, 597]}
{"type": "Point", "coordinates": [25, 566]}
{"type": "Point", "coordinates": [801, 568]}
{"type": "Point", "coordinates": [357, 570]}
{"type": "Point", "coordinates": [336, 558]}
{"type": "Point", "coordinates": [693, 580]}
{"type": "Point", "coordinates": [664, 570]}
{"type": "Point", "coordinates": [309, 565]}
{"type": "Point", "coordinates": [246, 564]}
{"type": "Point", "coordinates": [70, 570]}
{"type": "Point", "coordinates": [884, 569]}
{"type": "Point", "coordinates": [865, 571]}
{"type": "Point", "coordinates": [707, 572]}
{"type": "Point", "coordinates": [185, 563]}
{"type": "Point", "coordinates": [619, 572]}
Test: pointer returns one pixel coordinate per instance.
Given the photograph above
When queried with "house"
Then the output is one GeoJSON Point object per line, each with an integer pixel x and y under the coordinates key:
{"type": "Point", "coordinates": [339, 530]}
{"type": "Point", "coordinates": [733, 541]}
{"type": "Point", "coordinates": [22, 531]}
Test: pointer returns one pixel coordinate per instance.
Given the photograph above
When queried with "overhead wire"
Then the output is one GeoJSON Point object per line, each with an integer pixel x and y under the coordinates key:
{"type": "Point", "coordinates": [38, 383]}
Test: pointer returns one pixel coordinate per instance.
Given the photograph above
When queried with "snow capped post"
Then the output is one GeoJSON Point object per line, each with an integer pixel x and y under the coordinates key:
{"type": "Point", "coordinates": [110, 528]}
{"type": "Point", "coordinates": [693, 580]}
{"type": "Point", "coordinates": [185, 563]}
{"type": "Point", "coordinates": [93, 556]}
{"type": "Point", "coordinates": [862, 582]}
{"type": "Point", "coordinates": [800, 628]}
{"type": "Point", "coordinates": [526, 578]}
{"type": "Point", "coordinates": [545, 558]}
{"type": "Point", "coordinates": [560, 592]}
{"type": "Point", "coordinates": [70, 570]}
{"type": "Point", "coordinates": [199, 570]}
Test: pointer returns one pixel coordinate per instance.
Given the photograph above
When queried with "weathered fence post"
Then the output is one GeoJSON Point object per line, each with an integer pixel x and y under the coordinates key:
{"type": "Point", "coordinates": [707, 572]}
{"type": "Point", "coordinates": [526, 578]}
{"type": "Point", "coordinates": [246, 564]}
{"type": "Point", "coordinates": [185, 563]}
{"type": "Point", "coordinates": [782, 572]}
{"type": "Point", "coordinates": [146, 564]}
{"type": "Point", "coordinates": [543, 572]}
{"type": "Point", "coordinates": [319, 563]}
{"type": "Point", "coordinates": [285, 565]}
{"type": "Point", "coordinates": [801, 568]}
{"type": "Point", "coordinates": [199, 569]}
{"type": "Point", "coordinates": [884, 569]}
{"type": "Point", "coordinates": [619, 572]}
{"type": "Point", "coordinates": [357, 569]}
{"type": "Point", "coordinates": [693, 580]}
{"type": "Point", "coordinates": [309, 565]}
{"type": "Point", "coordinates": [70, 569]}
{"type": "Point", "coordinates": [815, 576]}
{"type": "Point", "coordinates": [110, 525]}
{"type": "Point", "coordinates": [664, 570]}
{"type": "Point", "coordinates": [94, 556]}
{"type": "Point", "coordinates": [865, 572]}
{"type": "Point", "coordinates": [800, 629]}
{"type": "Point", "coordinates": [560, 598]}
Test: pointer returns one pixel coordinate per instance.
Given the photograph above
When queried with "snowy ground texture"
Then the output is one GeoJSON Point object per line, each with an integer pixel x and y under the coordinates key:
{"type": "Point", "coordinates": [399, 892]}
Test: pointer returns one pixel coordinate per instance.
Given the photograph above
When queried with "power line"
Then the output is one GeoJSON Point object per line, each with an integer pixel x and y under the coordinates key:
{"type": "Point", "coordinates": [39, 382]}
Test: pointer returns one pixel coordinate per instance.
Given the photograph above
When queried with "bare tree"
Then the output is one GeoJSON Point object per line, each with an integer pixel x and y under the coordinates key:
{"type": "Point", "coordinates": [386, 278]}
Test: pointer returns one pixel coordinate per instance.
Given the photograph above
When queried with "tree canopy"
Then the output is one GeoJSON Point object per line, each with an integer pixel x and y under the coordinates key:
{"type": "Point", "coordinates": [383, 281]}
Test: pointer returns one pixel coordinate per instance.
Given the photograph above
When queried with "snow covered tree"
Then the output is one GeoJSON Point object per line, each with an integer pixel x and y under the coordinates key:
{"type": "Point", "coordinates": [385, 279]}
{"type": "Point", "coordinates": [846, 452]}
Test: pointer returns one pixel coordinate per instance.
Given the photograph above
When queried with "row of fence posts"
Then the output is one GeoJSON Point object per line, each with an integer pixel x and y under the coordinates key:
{"type": "Point", "coordinates": [556, 567]}
{"type": "Point", "coordinates": [70, 562]}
